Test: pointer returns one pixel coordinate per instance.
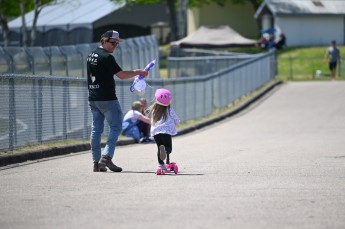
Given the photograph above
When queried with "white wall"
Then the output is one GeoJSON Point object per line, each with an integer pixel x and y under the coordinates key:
{"type": "Point", "coordinates": [311, 30]}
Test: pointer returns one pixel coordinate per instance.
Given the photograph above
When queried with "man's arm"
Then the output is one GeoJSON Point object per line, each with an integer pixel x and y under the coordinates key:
{"type": "Point", "coordinates": [129, 74]}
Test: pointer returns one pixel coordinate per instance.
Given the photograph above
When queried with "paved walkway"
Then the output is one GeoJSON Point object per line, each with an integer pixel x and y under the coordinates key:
{"type": "Point", "coordinates": [279, 164]}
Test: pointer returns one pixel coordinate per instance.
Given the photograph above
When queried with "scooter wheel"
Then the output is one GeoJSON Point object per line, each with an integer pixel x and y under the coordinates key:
{"type": "Point", "coordinates": [175, 169]}
{"type": "Point", "coordinates": [160, 171]}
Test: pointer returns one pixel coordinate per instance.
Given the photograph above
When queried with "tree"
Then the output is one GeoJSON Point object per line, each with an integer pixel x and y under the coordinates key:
{"type": "Point", "coordinates": [36, 6]}
{"type": "Point", "coordinates": [24, 31]}
{"type": "Point", "coordinates": [10, 9]}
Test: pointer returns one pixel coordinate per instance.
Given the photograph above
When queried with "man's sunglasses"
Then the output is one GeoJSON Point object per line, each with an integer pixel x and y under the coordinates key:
{"type": "Point", "coordinates": [114, 43]}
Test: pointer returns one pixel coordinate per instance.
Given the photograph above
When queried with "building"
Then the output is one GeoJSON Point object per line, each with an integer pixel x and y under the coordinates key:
{"type": "Point", "coordinates": [305, 23]}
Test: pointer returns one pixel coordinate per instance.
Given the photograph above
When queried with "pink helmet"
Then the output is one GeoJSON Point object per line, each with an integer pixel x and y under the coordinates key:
{"type": "Point", "coordinates": [163, 97]}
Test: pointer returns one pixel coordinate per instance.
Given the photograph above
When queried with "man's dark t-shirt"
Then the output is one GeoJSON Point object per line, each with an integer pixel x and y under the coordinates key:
{"type": "Point", "coordinates": [101, 67]}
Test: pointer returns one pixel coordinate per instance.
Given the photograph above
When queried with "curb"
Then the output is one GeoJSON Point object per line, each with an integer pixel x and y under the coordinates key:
{"type": "Point", "coordinates": [51, 152]}
{"type": "Point", "coordinates": [63, 150]}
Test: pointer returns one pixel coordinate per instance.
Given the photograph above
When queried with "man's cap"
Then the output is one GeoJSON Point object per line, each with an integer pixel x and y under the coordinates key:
{"type": "Point", "coordinates": [112, 34]}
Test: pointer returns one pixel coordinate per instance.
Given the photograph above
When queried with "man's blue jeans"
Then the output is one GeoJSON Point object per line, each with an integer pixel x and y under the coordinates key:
{"type": "Point", "coordinates": [110, 111]}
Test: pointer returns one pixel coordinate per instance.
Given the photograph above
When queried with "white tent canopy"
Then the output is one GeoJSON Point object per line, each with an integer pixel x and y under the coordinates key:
{"type": "Point", "coordinates": [68, 15]}
{"type": "Point", "coordinates": [65, 22]}
{"type": "Point", "coordinates": [220, 36]}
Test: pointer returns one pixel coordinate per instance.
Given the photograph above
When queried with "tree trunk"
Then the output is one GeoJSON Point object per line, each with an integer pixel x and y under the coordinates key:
{"type": "Point", "coordinates": [173, 21]}
{"type": "Point", "coordinates": [182, 18]}
{"type": "Point", "coordinates": [24, 31]}
{"type": "Point", "coordinates": [37, 11]}
{"type": "Point", "coordinates": [5, 30]}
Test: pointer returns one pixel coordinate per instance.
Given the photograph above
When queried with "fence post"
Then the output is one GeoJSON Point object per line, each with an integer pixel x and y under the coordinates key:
{"type": "Point", "coordinates": [52, 106]}
{"type": "Point", "coordinates": [86, 109]}
{"type": "Point", "coordinates": [34, 98]}
{"type": "Point", "coordinates": [38, 107]}
{"type": "Point", "coordinates": [40, 111]}
{"type": "Point", "coordinates": [31, 60]}
{"type": "Point", "coordinates": [64, 110]}
{"type": "Point", "coordinates": [291, 67]}
{"type": "Point", "coordinates": [12, 127]}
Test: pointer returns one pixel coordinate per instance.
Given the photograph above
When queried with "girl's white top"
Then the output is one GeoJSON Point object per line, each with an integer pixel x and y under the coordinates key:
{"type": "Point", "coordinates": [168, 126]}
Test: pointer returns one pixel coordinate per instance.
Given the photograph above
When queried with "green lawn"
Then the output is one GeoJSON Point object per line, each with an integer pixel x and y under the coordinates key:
{"type": "Point", "coordinates": [302, 63]}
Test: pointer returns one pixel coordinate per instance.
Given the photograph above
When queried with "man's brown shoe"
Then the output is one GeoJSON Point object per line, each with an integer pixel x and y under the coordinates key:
{"type": "Point", "coordinates": [97, 169]}
{"type": "Point", "coordinates": [106, 162]}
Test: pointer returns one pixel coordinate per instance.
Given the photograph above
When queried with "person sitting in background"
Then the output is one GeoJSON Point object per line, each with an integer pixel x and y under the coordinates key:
{"type": "Point", "coordinates": [143, 126]}
{"type": "Point", "coordinates": [266, 41]}
{"type": "Point", "coordinates": [131, 120]}
{"type": "Point", "coordinates": [263, 41]}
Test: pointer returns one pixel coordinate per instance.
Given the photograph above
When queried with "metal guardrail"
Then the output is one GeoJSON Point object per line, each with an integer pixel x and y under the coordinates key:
{"type": "Point", "coordinates": [41, 108]}
{"type": "Point", "coordinates": [198, 62]}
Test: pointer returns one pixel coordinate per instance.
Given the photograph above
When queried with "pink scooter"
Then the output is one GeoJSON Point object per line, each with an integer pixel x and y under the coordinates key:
{"type": "Point", "coordinates": [171, 167]}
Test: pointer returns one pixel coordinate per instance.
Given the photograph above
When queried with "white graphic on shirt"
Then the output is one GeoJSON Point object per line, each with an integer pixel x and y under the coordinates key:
{"type": "Point", "coordinates": [93, 58]}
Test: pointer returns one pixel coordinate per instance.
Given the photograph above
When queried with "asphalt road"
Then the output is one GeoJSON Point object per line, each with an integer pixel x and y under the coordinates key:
{"type": "Point", "coordinates": [279, 164]}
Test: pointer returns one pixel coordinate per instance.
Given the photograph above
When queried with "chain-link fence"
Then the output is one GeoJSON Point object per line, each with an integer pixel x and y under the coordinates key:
{"type": "Point", "coordinates": [37, 109]}
{"type": "Point", "coordinates": [70, 60]}
{"type": "Point", "coordinates": [198, 62]}
{"type": "Point", "coordinates": [198, 66]}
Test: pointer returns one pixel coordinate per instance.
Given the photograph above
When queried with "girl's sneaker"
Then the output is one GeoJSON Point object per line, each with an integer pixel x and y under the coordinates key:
{"type": "Point", "coordinates": [162, 167]}
{"type": "Point", "coordinates": [162, 152]}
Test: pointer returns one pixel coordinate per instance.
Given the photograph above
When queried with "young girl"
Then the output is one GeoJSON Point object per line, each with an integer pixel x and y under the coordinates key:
{"type": "Point", "coordinates": [163, 125]}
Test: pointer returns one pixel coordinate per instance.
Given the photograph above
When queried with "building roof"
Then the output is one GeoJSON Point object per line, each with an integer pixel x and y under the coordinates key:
{"type": "Point", "coordinates": [69, 14]}
{"type": "Point", "coordinates": [303, 7]}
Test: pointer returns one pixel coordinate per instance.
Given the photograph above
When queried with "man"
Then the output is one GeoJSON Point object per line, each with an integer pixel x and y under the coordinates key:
{"type": "Point", "coordinates": [333, 56]}
{"type": "Point", "coordinates": [101, 68]}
